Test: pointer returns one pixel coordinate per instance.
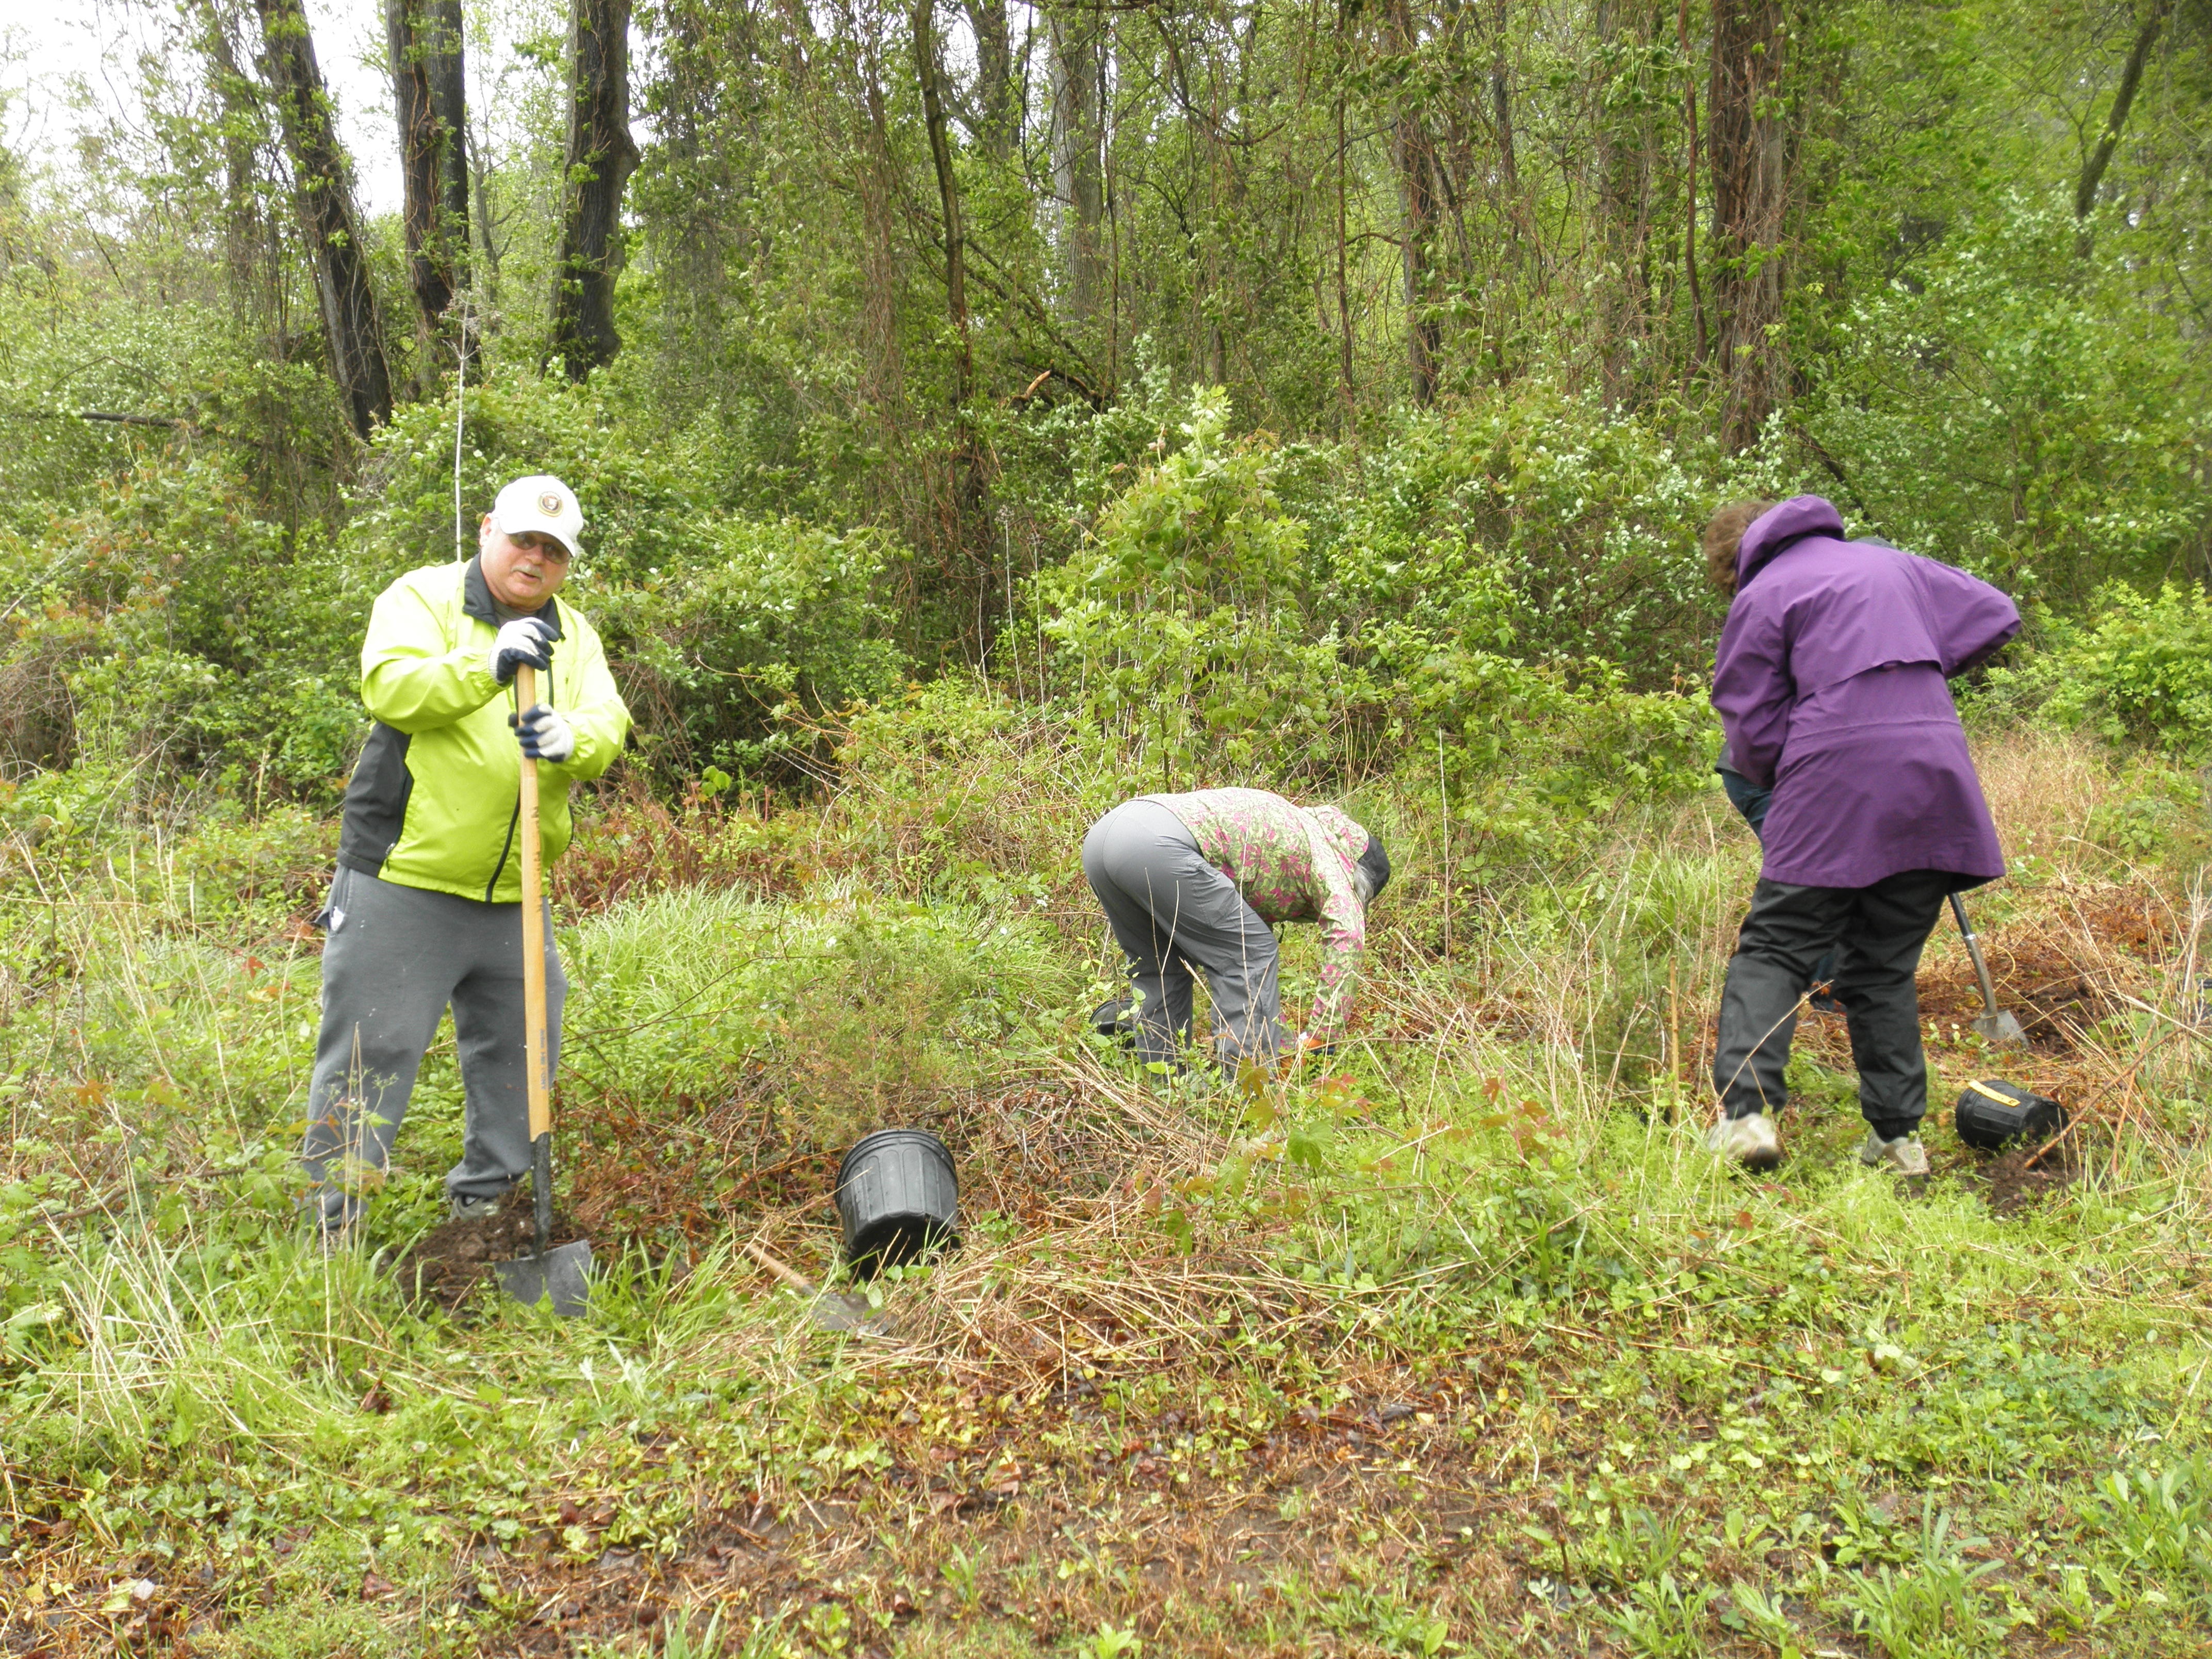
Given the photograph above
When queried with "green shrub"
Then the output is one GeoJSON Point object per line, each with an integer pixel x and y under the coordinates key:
{"type": "Point", "coordinates": [2138, 670]}
{"type": "Point", "coordinates": [1200, 641]}
{"type": "Point", "coordinates": [762, 624]}
{"type": "Point", "coordinates": [2013, 407]}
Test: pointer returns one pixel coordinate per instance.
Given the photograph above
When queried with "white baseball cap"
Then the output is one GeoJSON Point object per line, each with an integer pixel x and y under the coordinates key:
{"type": "Point", "coordinates": [543, 503]}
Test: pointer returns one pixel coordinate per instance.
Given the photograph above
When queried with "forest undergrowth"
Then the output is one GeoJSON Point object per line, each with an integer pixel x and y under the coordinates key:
{"type": "Point", "coordinates": [1457, 1343]}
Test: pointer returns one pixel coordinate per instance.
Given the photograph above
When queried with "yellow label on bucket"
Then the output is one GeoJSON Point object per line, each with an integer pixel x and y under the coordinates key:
{"type": "Point", "coordinates": [2002, 1099]}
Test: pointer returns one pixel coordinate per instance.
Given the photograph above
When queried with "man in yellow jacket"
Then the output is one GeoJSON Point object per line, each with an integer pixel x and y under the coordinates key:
{"type": "Point", "coordinates": [425, 907]}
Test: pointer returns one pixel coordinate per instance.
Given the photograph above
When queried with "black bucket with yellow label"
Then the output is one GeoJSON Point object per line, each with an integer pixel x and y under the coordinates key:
{"type": "Point", "coordinates": [1993, 1114]}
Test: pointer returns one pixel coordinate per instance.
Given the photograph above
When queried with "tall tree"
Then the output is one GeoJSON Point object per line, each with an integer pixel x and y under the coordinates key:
{"type": "Point", "coordinates": [929, 67]}
{"type": "Point", "coordinates": [429, 96]}
{"type": "Point", "coordinates": [1746, 146]}
{"type": "Point", "coordinates": [997, 98]}
{"type": "Point", "coordinates": [251, 244]}
{"type": "Point", "coordinates": [1078, 80]}
{"type": "Point", "coordinates": [322, 188]}
{"type": "Point", "coordinates": [600, 160]}
{"type": "Point", "coordinates": [2115, 123]}
{"type": "Point", "coordinates": [1411, 155]}
{"type": "Point", "coordinates": [1624, 157]}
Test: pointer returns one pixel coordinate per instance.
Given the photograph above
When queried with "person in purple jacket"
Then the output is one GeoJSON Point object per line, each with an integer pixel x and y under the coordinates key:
{"type": "Point", "coordinates": [1830, 684]}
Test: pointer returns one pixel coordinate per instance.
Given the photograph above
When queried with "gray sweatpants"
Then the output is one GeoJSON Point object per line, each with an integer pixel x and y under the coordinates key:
{"type": "Point", "coordinates": [397, 955]}
{"type": "Point", "coordinates": [1172, 912]}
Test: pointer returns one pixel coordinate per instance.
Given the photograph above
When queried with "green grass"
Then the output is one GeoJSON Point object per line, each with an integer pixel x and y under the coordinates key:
{"type": "Point", "coordinates": [1463, 1345]}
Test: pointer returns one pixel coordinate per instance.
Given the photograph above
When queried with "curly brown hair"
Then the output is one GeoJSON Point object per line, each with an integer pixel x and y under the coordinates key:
{"type": "Point", "coordinates": [1723, 540]}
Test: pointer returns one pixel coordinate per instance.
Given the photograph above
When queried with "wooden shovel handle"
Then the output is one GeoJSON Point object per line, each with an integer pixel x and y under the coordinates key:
{"type": "Point", "coordinates": [534, 924]}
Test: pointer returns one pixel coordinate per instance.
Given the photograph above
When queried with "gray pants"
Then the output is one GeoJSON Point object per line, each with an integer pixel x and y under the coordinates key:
{"type": "Point", "coordinates": [397, 957]}
{"type": "Point", "coordinates": [1172, 912]}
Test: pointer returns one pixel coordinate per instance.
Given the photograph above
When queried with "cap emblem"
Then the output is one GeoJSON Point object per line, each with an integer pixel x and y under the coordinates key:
{"type": "Point", "coordinates": [550, 505]}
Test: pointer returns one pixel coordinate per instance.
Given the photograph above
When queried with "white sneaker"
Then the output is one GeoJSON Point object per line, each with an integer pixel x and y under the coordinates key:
{"type": "Point", "coordinates": [1904, 1155]}
{"type": "Point", "coordinates": [1750, 1141]}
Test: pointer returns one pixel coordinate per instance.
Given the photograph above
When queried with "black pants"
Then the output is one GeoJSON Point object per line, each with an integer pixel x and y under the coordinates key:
{"type": "Point", "coordinates": [1878, 933]}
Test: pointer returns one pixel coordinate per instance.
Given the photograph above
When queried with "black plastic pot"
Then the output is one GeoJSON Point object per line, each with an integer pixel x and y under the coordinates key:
{"type": "Point", "coordinates": [1992, 1112]}
{"type": "Point", "coordinates": [898, 1197]}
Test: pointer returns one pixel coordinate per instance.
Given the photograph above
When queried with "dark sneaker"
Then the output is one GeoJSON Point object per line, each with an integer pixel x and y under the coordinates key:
{"type": "Point", "coordinates": [1116, 1019]}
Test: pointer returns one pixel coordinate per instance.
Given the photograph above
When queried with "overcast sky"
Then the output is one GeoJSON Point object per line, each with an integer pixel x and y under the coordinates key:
{"type": "Point", "coordinates": [50, 41]}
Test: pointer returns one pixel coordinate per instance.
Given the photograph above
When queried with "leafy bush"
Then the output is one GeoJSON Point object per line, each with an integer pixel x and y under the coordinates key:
{"type": "Point", "coordinates": [2138, 670]}
{"type": "Point", "coordinates": [171, 627]}
{"type": "Point", "coordinates": [763, 622]}
{"type": "Point", "coordinates": [1583, 521]}
{"type": "Point", "coordinates": [1200, 640]}
{"type": "Point", "coordinates": [2009, 406]}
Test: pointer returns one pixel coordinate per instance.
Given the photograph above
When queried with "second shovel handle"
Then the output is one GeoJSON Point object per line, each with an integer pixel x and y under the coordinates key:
{"type": "Point", "coordinates": [1974, 951]}
{"type": "Point", "coordinates": [533, 926]}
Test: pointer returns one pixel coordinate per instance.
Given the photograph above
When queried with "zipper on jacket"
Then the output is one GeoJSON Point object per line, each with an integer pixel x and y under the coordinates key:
{"type": "Point", "coordinates": [505, 848]}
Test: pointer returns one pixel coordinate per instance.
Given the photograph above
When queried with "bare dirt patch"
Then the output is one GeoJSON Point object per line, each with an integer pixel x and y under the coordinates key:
{"type": "Point", "coordinates": [2017, 1182]}
{"type": "Point", "coordinates": [449, 1262]}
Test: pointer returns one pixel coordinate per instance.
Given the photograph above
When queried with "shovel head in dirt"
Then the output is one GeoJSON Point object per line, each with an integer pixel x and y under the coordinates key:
{"type": "Point", "coordinates": [563, 1272]}
{"type": "Point", "coordinates": [1993, 1023]}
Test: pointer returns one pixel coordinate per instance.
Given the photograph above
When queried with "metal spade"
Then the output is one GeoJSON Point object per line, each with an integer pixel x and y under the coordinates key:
{"type": "Point", "coordinates": [1993, 1023]}
{"type": "Point", "coordinates": [850, 1315]}
{"type": "Point", "coordinates": [563, 1273]}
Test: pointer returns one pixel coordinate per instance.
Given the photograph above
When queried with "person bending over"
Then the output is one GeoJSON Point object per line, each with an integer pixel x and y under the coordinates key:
{"type": "Point", "coordinates": [1830, 684]}
{"type": "Point", "coordinates": [425, 909]}
{"type": "Point", "coordinates": [1191, 882]}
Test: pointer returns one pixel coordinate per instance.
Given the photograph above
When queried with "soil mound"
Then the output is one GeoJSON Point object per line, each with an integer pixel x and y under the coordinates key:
{"type": "Point", "coordinates": [448, 1263]}
{"type": "Point", "coordinates": [2014, 1185]}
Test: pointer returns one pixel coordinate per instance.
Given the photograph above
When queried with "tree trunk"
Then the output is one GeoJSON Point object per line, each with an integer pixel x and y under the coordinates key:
{"type": "Point", "coordinates": [250, 269]}
{"type": "Point", "coordinates": [429, 96]}
{"type": "Point", "coordinates": [997, 96]}
{"type": "Point", "coordinates": [1501, 101]}
{"type": "Point", "coordinates": [600, 162]}
{"type": "Point", "coordinates": [966, 558]}
{"type": "Point", "coordinates": [1702, 346]}
{"type": "Point", "coordinates": [487, 248]}
{"type": "Point", "coordinates": [930, 72]}
{"type": "Point", "coordinates": [882, 377]}
{"type": "Point", "coordinates": [1745, 140]}
{"type": "Point", "coordinates": [2093, 170]}
{"type": "Point", "coordinates": [1409, 155]}
{"type": "Point", "coordinates": [322, 186]}
{"type": "Point", "coordinates": [1345, 382]}
{"type": "Point", "coordinates": [1622, 195]}
{"type": "Point", "coordinates": [1077, 175]}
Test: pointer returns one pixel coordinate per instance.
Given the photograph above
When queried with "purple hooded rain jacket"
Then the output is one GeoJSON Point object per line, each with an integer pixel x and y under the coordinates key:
{"type": "Point", "coordinates": [1830, 683]}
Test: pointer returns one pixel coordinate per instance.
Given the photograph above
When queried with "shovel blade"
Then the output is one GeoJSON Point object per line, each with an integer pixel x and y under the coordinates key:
{"type": "Point", "coordinates": [850, 1315]}
{"type": "Point", "coordinates": [2000, 1028]}
{"type": "Point", "coordinates": [563, 1273]}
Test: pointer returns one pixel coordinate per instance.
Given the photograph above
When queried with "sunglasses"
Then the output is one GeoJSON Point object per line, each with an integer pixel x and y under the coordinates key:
{"type": "Point", "coordinates": [551, 546]}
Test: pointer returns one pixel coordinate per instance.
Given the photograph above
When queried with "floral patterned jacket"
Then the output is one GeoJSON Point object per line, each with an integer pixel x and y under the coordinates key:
{"type": "Point", "coordinates": [1291, 863]}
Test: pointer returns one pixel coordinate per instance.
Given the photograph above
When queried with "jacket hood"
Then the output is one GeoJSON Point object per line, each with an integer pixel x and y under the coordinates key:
{"type": "Point", "coordinates": [1776, 528]}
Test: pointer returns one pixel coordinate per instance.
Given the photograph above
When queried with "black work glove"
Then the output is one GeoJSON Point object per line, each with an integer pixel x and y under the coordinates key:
{"type": "Point", "coordinates": [526, 640]}
{"type": "Point", "coordinates": [543, 733]}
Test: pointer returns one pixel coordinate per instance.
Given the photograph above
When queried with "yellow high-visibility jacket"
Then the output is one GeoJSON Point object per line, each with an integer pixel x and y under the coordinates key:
{"type": "Point", "coordinates": [434, 801]}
